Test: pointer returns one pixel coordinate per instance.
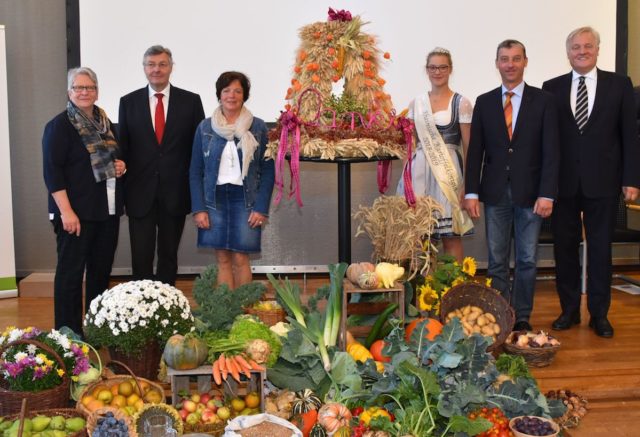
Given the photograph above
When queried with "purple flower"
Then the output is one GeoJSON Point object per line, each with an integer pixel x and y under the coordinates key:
{"type": "Point", "coordinates": [341, 15]}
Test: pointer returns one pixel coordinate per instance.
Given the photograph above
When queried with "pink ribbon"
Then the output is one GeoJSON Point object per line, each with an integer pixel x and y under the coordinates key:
{"type": "Point", "coordinates": [289, 124]}
{"type": "Point", "coordinates": [406, 126]}
{"type": "Point", "coordinates": [384, 175]}
{"type": "Point", "coordinates": [341, 15]}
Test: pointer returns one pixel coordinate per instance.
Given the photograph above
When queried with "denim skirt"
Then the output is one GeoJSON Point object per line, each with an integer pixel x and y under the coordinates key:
{"type": "Point", "coordinates": [228, 223]}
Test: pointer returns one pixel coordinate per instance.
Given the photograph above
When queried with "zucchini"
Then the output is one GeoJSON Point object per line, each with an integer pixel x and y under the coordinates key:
{"type": "Point", "coordinates": [380, 321]}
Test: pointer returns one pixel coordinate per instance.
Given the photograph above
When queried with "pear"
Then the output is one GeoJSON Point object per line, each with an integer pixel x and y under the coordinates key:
{"type": "Point", "coordinates": [57, 422]}
{"type": "Point", "coordinates": [58, 433]}
{"type": "Point", "coordinates": [40, 423]}
{"type": "Point", "coordinates": [75, 424]}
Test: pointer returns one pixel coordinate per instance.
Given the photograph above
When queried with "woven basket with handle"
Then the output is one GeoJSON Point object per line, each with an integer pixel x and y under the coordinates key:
{"type": "Point", "coordinates": [57, 397]}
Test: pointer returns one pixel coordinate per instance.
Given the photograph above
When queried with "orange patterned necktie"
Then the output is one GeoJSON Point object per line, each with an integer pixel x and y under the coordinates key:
{"type": "Point", "coordinates": [508, 113]}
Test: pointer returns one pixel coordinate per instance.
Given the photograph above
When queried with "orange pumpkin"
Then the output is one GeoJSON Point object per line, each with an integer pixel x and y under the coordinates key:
{"type": "Point", "coordinates": [356, 269]}
{"type": "Point", "coordinates": [333, 415]}
{"type": "Point", "coordinates": [376, 351]}
{"type": "Point", "coordinates": [432, 328]}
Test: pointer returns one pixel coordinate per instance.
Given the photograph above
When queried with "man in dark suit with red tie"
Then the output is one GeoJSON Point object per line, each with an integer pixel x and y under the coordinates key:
{"type": "Point", "coordinates": [156, 127]}
{"type": "Point", "coordinates": [599, 158]}
{"type": "Point", "coordinates": [512, 166]}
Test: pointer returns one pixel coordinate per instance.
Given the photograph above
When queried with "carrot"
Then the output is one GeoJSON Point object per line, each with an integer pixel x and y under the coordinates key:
{"type": "Point", "coordinates": [243, 366]}
{"type": "Point", "coordinates": [233, 369]}
{"type": "Point", "coordinates": [256, 366]}
{"type": "Point", "coordinates": [223, 366]}
{"type": "Point", "coordinates": [216, 372]}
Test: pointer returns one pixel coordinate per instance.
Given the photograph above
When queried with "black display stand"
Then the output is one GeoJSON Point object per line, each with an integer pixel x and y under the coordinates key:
{"type": "Point", "coordinates": [344, 199]}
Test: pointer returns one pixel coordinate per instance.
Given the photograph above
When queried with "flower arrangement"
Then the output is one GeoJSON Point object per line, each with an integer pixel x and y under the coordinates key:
{"type": "Point", "coordinates": [27, 367]}
{"type": "Point", "coordinates": [129, 315]}
{"type": "Point", "coordinates": [447, 274]}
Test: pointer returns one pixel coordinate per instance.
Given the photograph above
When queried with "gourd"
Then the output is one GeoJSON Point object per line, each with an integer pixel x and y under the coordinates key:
{"type": "Point", "coordinates": [388, 274]}
{"type": "Point", "coordinates": [368, 280]}
{"type": "Point", "coordinates": [305, 400]}
{"type": "Point", "coordinates": [358, 352]}
{"type": "Point", "coordinates": [318, 431]}
{"type": "Point", "coordinates": [376, 351]}
{"type": "Point", "coordinates": [333, 415]}
{"type": "Point", "coordinates": [343, 431]}
{"type": "Point", "coordinates": [433, 327]}
{"type": "Point", "coordinates": [185, 352]}
{"type": "Point", "coordinates": [356, 269]}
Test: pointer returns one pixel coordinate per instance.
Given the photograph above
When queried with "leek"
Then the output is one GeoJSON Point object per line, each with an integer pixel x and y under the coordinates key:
{"type": "Point", "coordinates": [333, 312]}
{"type": "Point", "coordinates": [290, 295]}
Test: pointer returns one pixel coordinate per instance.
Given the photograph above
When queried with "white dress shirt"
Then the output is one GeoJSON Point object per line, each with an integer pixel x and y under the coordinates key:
{"type": "Point", "coordinates": [591, 81]}
{"type": "Point", "coordinates": [229, 170]}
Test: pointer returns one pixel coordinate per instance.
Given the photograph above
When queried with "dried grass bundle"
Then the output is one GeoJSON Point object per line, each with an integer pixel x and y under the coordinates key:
{"type": "Point", "coordinates": [397, 231]}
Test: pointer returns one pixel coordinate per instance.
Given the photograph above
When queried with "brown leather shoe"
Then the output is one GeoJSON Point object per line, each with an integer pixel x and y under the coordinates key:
{"type": "Point", "coordinates": [565, 321]}
{"type": "Point", "coordinates": [601, 326]}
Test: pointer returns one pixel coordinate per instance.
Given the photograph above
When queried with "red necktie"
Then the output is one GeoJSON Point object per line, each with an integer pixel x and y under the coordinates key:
{"type": "Point", "coordinates": [159, 117]}
{"type": "Point", "coordinates": [508, 113]}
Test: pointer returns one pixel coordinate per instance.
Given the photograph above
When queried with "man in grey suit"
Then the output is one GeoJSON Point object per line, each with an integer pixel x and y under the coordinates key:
{"type": "Point", "coordinates": [156, 127]}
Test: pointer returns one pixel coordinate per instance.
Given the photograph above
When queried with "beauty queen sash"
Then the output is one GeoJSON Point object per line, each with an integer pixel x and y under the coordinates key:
{"type": "Point", "coordinates": [440, 162]}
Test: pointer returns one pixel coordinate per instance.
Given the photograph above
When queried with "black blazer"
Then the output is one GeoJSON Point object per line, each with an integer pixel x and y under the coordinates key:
{"type": "Point", "coordinates": [529, 162]}
{"type": "Point", "coordinates": [67, 166]}
{"type": "Point", "coordinates": [158, 171]}
{"type": "Point", "coordinates": [606, 155]}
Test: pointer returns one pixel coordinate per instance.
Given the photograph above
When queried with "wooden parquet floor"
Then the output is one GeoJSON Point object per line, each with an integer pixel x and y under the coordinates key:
{"type": "Point", "coordinates": [605, 371]}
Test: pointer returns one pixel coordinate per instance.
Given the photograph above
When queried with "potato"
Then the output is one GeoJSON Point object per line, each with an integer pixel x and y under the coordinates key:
{"type": "Point", "coordinates": [481, 321]}
{"type": "Point", "coordinates": [490, 317]}
{"type": "Point", "coordinates": [477, 329]}
{"type": "Point", "coordinates": [477, 309]}
{"type": "Point", "coordinates": [466, 310]}
{"type": "Point", "coordinates": [473, 316]}
{"type": "Point", "coordinates": [496, 328]}
{"type": "Point", "coordinates": [487, 330]}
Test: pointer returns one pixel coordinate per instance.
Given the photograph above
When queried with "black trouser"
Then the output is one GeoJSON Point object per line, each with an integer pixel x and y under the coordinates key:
{"type": "Point", "coordinates": [143, 232]}
{"type": "Point", "coordinates": [598, 216]}
{"type": "Point", "coordinates": [92, 250]}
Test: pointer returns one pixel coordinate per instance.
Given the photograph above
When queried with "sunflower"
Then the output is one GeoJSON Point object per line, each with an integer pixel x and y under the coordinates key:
{"type": "Point", "coordinates": [469, 266]}
{"type": "Point", "coordinates": [487, 282]}
{"type": "Point", "coordinates": [427, 298]}
{"type": "Point", "coordinates": [459, 280]}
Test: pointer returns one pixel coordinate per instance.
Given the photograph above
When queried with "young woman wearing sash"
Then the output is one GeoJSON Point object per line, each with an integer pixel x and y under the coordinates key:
{"type": "Point", "coordinates": [443, 122]}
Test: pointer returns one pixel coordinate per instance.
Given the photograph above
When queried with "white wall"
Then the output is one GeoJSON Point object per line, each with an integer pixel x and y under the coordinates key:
{"type": "Point", "coordinates": [259, 38]}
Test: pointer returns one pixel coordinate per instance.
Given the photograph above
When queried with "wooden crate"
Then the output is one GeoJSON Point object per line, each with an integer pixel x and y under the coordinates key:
{"type": "Point", "coordinates": [201, 380]}
{"type": "Point", "coordinates": [391, 295]}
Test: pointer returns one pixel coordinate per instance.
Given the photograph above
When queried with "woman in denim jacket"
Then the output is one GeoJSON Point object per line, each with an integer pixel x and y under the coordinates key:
{"type": "Point", "coordinates": [230, 195]}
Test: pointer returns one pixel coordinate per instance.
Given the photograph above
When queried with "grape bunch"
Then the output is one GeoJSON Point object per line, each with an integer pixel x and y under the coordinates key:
{"type": "Point", "coordinates": [108, 426]}
{"type": "Point", "coordinates": [533, 426]}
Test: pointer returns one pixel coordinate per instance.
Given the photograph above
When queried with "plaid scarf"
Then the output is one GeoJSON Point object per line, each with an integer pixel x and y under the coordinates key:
{"type": "Point", "coordinates": [97, 137]}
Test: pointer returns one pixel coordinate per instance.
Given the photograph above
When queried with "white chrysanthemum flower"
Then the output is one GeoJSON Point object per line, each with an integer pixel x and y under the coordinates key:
{"type": "Point", "coordinates": [15, 334]}
{"type": "Point", "coordinates": [20, 356]}
{"type": "Point", "coordinates": [31, 349]}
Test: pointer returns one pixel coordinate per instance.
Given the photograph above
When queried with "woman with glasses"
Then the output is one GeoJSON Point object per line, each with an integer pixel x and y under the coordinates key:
{"type": "Point", "coordinates": [442, 125]}
{"type": "Point", "coordinates": [231, 182]}
{"type": "Point", "coordinates": [82, 172]}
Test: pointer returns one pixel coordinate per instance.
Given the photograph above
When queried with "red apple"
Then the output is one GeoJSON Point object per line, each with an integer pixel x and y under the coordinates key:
{"type": "Point", "coordinates": [213, 405]}
{"type": "Point", "coordinates": [207, 415]}
{"type": "Point", "coordinates": [223, 413]}
{"type": "Point", "coordinates": [189, 405]}
{"type": "Point", "coordinates": [183, 414]}
{"type": "Point", "coordinates": [204, 398]}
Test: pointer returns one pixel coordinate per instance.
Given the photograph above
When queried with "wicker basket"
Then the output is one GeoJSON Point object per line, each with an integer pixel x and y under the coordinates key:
{"type": "Point", "coordinates": [67, 413]}
{"type": "Point", "coordinates": [145, 364]}
{"type": "Point", "coordinates": [489, 299]}
{"type": "Point", "coordinates": [268, 317]}
{"type": "Point", "coordinates": [57, 397]}
{"type": "Point", "coordinates": [534, 356]}
{"type": "Point", "coordinates": [214, 429]}
{"type": "Point", "coordinates": [92, 420]}
{"type": "Point", "coordinates": [116, 379]}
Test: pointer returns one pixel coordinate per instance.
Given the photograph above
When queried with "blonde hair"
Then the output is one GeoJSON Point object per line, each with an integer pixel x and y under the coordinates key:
{"type": "Point", "coordinates": [439, 51]}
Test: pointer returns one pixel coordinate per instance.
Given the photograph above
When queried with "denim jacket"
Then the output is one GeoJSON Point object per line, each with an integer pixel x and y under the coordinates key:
{"type": "Point", "coordinates": [205, 162]}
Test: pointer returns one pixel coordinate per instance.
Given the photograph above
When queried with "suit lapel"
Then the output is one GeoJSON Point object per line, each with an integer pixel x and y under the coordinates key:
{"type": "Point", "coordinates": [602, 88]}
{"type": "Point", "coordinates": [522, 112]}
{"type": "Point", "coordinates": [174, 107]}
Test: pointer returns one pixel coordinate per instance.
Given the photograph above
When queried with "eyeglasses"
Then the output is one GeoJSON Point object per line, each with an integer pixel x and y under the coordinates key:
{"type": "Point", "coordinates": [87, 88]}
{"type": "Point", "coordinates": [152, 65]}
{"type": "Point", "coordinates": [438, 68]}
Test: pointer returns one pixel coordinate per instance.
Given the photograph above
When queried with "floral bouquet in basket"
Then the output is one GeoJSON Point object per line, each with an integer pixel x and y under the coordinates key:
{"type": "Point", "coordinates": [132, 314]}
{"type": "Point", "coordinates": [28, 367]}
{"type": "Point", "coordinates": [447, 274]}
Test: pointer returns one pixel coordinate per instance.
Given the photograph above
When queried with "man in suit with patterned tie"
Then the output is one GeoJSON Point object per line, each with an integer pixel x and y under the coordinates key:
{"type": "Point", "coordinates": [156, 127]}
{"type": "Point", "coordinates": [512, 166]}
{"type": "Point", "coordinates": [599, 158]}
